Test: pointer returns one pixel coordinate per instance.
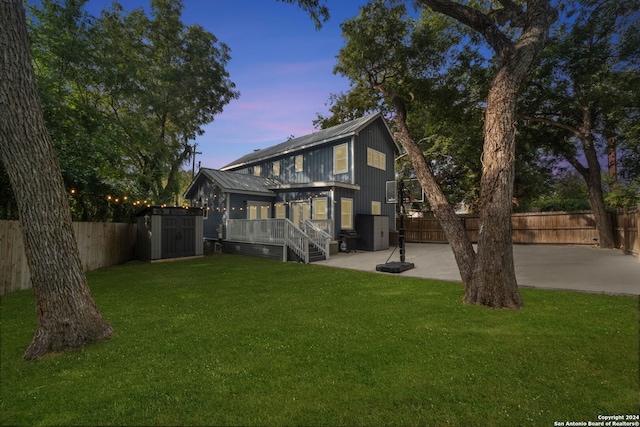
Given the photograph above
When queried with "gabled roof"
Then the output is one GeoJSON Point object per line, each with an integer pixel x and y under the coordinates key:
{"type": "Point", "coordinates": [233, 182]}
{"type": "Point", "coordinates": [323, 136]}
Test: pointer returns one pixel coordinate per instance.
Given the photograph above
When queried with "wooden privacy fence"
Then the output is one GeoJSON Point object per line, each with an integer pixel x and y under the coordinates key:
{"type": "Point", "coordinates": [100, 245]}
{"type": "Point", "coordinates": [558, 228]}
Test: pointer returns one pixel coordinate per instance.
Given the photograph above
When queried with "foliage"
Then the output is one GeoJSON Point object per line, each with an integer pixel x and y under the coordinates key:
{"type": "Point", "coordinates": [122, 96]}
{"type": "Point", "coordinates": [231, 340]}
{"type": "Point", "coordinates": [621, 195]}
{"type": "Point", "coordinates": [318, 12]}
{"type": "Point", "coordinates": [586, 88]}
{"type": "Point", "coordinates": [433, 62]}
{"type": "Point", "coordinates": [568, 193]}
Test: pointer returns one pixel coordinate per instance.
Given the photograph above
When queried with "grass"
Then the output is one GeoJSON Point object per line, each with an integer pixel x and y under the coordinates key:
{"type": "Point", "coordinates": [231, 340]}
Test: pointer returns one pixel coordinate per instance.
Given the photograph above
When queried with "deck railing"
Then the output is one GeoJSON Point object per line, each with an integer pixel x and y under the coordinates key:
{"type": "Point", "coordinates": [280, 232]}
{"type": "Point", "coordinates": [257, 231]}
{"type": "Point", "coordinates": [325, 225]}
{"type": "Point", "coordinates": [297, 240]}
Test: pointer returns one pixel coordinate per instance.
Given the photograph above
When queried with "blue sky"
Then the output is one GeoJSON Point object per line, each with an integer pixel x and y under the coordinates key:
{"type": "Point", "coordinates": [282, 66]}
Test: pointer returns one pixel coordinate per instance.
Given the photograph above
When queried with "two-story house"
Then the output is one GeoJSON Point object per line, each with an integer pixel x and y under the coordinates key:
{"type": "Point", "coordinates": [325, 179]}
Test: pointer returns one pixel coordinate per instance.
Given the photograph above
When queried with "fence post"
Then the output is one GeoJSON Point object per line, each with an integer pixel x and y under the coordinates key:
{"type": "Point", "coordinates": [636, 246]}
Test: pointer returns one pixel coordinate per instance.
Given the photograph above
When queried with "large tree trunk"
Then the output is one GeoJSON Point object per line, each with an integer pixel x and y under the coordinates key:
{"type": "Point", "coordinates": [67, 314]}
{"type": "Point", "coordinates": [493, 281]}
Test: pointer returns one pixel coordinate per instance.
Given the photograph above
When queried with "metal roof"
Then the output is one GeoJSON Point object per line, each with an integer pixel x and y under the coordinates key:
{"type": "Point", "coordinates": [239, 182]}
{"type": "Point", "coordinates": [317, 138]}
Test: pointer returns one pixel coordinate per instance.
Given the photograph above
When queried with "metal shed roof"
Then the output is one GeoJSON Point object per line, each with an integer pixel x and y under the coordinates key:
{"type": "Point", "coordinates": [317, 138]}
{"type": "Point", "coordinates": [238, 182]}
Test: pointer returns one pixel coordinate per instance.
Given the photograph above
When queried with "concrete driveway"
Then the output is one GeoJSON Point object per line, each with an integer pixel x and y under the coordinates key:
{"type": "Point", "coordinates": [577, 268]}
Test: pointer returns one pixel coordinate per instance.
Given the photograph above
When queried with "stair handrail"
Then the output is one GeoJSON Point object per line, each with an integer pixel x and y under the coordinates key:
{"type": "Point", "coordinates": [297, 240]}
{"type": "Point", "coordinates": [319, 238]}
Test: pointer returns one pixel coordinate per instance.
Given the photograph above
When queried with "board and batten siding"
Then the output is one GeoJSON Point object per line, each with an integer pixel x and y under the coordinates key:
{"type": "Point", "coordinates": [317, 165]}
{"type": "Point", "coordinates": [373, 180]}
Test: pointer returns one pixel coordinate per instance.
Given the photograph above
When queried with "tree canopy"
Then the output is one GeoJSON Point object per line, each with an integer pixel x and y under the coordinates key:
{"type": "Point", "coordinates": [418, 69]}
{"type": "Point", "coordinates": [581, 100]}
{"type": "Point", "coordinates": [123, 95]}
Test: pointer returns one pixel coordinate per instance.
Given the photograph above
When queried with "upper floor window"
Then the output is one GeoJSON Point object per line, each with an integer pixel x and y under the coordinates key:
{"type": "Point", "coordinates": [276, 168]}
{"type": "Point", "coordinates": [299, 165]}
{"type": "Point", "coordinates": [376, 159]}
{"type": "Point", "coordinates": [340, 158]}
{"type": "Point", "coordinates": [257, 170]}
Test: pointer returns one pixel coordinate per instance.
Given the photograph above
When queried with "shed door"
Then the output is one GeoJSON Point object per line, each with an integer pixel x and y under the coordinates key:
{"type": "Point", "coordinates": [178, 236]}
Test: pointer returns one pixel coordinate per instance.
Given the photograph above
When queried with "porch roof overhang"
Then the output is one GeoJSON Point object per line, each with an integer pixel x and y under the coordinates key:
{"type": "Point", "coordinates": [233, 182]}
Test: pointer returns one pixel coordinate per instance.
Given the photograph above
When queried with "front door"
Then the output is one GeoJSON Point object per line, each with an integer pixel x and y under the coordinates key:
{"type": "Point", "coordinates": [300, 212]}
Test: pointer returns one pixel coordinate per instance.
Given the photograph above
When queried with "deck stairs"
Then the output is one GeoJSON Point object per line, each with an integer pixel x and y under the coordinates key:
{"type": "Point", "coordinates": [307, 243]}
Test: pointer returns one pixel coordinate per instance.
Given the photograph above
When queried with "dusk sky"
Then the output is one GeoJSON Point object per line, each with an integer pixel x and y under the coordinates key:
{"type": "Point", "coordinates": [282, 66]}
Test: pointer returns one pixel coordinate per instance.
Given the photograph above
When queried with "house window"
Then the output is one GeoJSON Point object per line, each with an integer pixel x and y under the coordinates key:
{"type": "Point", "coordinates": [257, 170]}
{"type": "Point", "coordinates": [346, 212]}
{"type": "Point", "coordinates": [258, 210]}
{"type": "Point", "coordinates": [299, 163]}
{"type": "Point", "coordinates": [376, 208]}
{"type": "Point", "coordinates": [376, 159]}
{"type": "Point", "coordinates": [281, 211]}
{"type": "Point", "coordinates": [320, 208]}
{"type": "Point", "coordinates": [205, 211]}
{"type": "Point", "coordinates": [340, 158]}
{"type": "Point", "coordinates": [276, 168]}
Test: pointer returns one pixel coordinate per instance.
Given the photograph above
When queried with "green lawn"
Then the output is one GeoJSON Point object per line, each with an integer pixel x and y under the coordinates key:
{"type": "Point", "coordinates": [231, 340]}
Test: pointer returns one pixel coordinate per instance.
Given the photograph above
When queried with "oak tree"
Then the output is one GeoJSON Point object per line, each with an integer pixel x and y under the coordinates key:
{"type": "Point", "coordinates": [67, 315]}
{"type": "Point", "coordinates": [517, 34]}
{"type": "Point", "coordinates": [586, 89]}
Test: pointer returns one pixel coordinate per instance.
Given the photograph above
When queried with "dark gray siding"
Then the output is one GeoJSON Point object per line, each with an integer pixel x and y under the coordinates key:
{"type": "Point", "coordinates": [372, 180]}
{"type": "Point", "coordinates": [317, 165]}
{"type": "Point", "coordinates": [339, 194]}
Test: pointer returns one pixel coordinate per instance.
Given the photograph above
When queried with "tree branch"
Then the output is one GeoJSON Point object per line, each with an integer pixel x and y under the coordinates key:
{"type": "Point", "coordinates": [551, 122]}
{"type": "Point", "coordinates": [475, 20]}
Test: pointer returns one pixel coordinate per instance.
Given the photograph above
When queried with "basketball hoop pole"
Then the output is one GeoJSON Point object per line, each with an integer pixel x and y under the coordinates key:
{"type": "Point", "coordinates": [398, 267]}
{"type": "Point", "coordinates": [402, 212]}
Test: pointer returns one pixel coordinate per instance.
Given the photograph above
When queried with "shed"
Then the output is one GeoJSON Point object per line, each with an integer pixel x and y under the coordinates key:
{"type": "Point", "coordinates": [169, 232]}
{"type": "Point", "coordinates": [373, 232]}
